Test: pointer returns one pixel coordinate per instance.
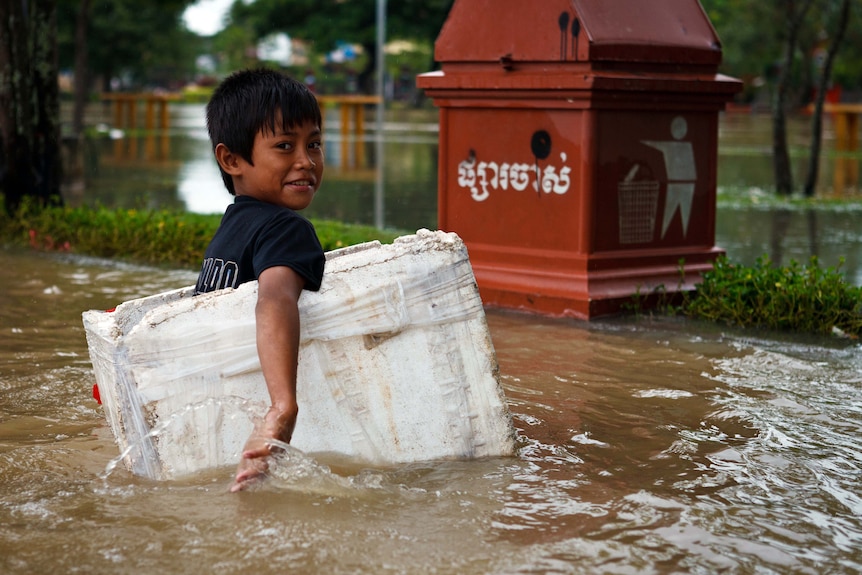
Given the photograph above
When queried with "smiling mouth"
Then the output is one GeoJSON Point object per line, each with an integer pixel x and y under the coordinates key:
{"type": "Point", "coordinates": [302, 183]}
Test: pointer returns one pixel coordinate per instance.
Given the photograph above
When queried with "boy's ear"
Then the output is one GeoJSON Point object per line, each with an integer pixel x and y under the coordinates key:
{"type": "Point", "coordinates": [228, 161]}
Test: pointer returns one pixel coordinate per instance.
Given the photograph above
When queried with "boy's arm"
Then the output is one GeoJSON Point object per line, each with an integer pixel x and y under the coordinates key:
{"type": "Point", "coordinates": [277, 319]}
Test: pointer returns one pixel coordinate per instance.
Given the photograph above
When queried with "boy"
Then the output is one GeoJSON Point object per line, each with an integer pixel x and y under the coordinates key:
{"type": "Point", "coordinates": [266, 135]}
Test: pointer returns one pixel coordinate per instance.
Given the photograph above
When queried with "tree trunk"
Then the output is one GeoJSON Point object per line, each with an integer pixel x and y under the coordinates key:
{"type": "Point", "coordinates": [82, 76]}
{"type": "Point", "coordinates": [822, 86]}
{"type": "Point", "coordinates": [780, 154]}
{"type": "Point", "coordinates": [365, 79]}
{"type": "Point", "coordinates": [29, 103]}
{"type": "Point", "coordinates": [15, 84]}
{"type": "Point", "coordinates": [73, 166]}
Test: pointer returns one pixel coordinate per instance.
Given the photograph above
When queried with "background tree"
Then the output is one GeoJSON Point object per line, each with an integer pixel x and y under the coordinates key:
{"type": "Point", "coordinates": [791, 14]}
{"type": "Point", "coordinates": [837, 30]}
{"type": "Point", "coordinates": [326, 23]}
{"type": "Point", "coordinates": [29, 103]}
{"type": "Point", "coordinates": [82, 72]}
{"type": "Point", "coordinates": [234, 44]}
{"type": "Point", "coordinates": [747, 53]}
{"type": "Point", "coordinates": [142, 41]}
{"type": "Point", "coordinates": [134, 43]}
{"type": "Point", "coordinates": [781, 63]}
{"type": "Point", "coordinates": [847, 69]}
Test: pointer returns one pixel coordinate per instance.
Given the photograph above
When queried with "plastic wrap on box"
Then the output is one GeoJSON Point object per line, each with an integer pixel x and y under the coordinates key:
{"type": "Point", "coordinates": [396, 364]}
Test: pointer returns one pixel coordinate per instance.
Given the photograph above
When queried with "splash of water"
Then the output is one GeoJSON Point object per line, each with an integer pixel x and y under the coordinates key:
{"type": "Point", "coordinates": [288, 468]}
{"type": "Point", "coordinates": [238, 408]}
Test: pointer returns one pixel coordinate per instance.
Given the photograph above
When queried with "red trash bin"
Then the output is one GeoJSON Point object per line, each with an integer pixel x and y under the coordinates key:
{"type": "Point", "coordinates": [578, 148]}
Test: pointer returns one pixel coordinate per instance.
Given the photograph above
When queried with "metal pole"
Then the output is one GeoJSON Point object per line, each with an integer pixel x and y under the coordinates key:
{"type": "Point", "coordinates": [379, 221]}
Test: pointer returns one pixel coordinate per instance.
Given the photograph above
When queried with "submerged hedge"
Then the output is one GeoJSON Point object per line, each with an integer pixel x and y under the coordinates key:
{"type": "Point", "coordinates": [153, 237]}
{"type": "Point", "coordinates": [800, 298]}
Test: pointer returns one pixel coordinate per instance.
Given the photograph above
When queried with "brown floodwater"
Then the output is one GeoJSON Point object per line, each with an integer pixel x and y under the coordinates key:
{"type": "Point", "coordinates": [647, 445]}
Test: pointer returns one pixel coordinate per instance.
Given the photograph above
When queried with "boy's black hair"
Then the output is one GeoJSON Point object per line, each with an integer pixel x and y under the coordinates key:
{"type": "Point", "coordinates": [249, 101]}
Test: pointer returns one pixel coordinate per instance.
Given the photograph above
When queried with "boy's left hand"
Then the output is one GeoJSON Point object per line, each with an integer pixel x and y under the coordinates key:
{"type": "Point", "coordinates": [277, 424]}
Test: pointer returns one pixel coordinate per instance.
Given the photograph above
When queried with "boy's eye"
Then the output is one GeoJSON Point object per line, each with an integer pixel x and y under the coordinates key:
{"type": "Point", "coordinates": [315, 145]}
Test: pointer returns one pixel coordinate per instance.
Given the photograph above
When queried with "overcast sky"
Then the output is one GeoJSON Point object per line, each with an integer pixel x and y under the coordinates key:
{"type": "Point", "coordinates": [204, 17]}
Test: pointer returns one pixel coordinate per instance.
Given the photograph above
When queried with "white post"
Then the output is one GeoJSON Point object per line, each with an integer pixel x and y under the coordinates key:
{"type": "Point", "coordinates": [381, 106]}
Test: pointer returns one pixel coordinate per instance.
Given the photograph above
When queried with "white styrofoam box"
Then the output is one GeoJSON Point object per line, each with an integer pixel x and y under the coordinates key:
{"type": "Point", "coordinates": [396, 364]}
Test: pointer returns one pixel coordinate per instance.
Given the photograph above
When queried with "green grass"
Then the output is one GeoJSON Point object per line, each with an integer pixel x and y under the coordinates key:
{"type": "Point", "coordinates": [798, 298]}
{"type": "Point", "coordinates": [168, 238]}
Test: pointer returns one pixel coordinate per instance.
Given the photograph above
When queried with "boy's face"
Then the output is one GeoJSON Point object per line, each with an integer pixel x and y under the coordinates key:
{"type": "Point", "coordinates": [287, 169]}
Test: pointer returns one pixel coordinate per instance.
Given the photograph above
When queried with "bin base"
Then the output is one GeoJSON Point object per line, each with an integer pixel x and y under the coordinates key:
{"type": "Point", "coordinates": [593, 286]}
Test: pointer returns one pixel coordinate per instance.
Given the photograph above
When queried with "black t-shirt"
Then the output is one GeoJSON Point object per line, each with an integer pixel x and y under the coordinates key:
{"type": "Point", "coordinates": [253, 236]}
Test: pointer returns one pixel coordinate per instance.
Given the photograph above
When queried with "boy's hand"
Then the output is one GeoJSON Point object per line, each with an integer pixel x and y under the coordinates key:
{"type": "Point", "coordinates": [277, 424]}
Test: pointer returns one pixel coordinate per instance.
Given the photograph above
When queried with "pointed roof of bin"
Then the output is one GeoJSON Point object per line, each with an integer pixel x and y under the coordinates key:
{"type": "Point", "coordinates": [663, 32]}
